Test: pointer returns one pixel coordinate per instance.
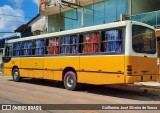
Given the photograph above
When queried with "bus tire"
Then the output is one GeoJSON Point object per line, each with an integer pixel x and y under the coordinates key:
{"type": "Point", "coordinates": [16, 75]}
{"type": "Point", "coordinates": [70, 80]}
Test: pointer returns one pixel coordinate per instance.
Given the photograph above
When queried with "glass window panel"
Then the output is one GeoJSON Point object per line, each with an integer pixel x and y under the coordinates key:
{"type": "Point", "coordinates": [68, 22]}
{"type": "Point", "coordinates": [121, 7]}
{"type": "Point", "coordinates": [136, 18]}
{"type": "Point", "coordinates": [74, 46]}
{"type": "Point", "coordinates": [16, 49]}
{"type": "Point", "coordinates": [144, 40]}
{"type": "Point", "coordinates": [99, 13]}
{"type": "Point", "coordinates": [39, 47]}
{"type": "Point", "coordinates": [110, 11]}
{"type": "Point", "coordinates": [149, 18]}
{"type": "Point", "coordinates": [77, 23]}
{"type": "Point", "coordinates": [89, 44]}
{"type": "Point", "coordinates": [52, 46]}
{"type": "Point", "coordinates": [112, 41]}
{"type": "Point", "coordinates": [88, 15]}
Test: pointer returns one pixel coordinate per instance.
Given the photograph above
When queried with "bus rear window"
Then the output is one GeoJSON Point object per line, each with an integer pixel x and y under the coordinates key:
{"type": "Point", "coordinates": [143, 40]}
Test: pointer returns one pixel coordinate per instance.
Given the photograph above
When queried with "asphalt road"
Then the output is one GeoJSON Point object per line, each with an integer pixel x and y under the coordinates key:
{"type": "Point", "coordinates": [31, 91]}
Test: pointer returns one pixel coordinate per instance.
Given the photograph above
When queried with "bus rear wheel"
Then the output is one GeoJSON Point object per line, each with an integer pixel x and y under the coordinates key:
{"type": "Point", "coordinates": [16, 75]}
{"type": "Point", "coordinates": [70, 80]}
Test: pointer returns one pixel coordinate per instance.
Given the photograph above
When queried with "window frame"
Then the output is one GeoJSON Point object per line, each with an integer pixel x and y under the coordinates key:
{"type": "Point", "coordinates": [144, 52]}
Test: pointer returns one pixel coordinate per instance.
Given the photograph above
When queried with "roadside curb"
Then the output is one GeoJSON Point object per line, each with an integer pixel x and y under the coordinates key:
{"type": "Point", "coordinates": [137, 88]}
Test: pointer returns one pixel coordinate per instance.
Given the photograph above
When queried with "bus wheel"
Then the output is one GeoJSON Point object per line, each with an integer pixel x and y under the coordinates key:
{"type": "Point", "coordinates": [70, 80]}
{"type": "Point", "coordinates": [16, 75]}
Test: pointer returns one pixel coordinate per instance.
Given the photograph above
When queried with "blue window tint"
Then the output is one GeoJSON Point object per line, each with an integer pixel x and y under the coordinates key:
{"type": "Point", "coordinates": [69, 44]}
{"type": "Point", "coordinates": [68, 22]}
{"type": "Point", "coordinates": [99, 17]}
{"type": "Point", "coordinates": [74, 44]}
{"type": "Point", "coordinates": [16, 49]}
{"type": "Point", "coordinates": [149, 18]}
{"type": "Point", "coordinates": [112, 41]}
{"type": "Point", "coordinates": [136, 18]}
{"type": "Point", "coordinates": [39, 47]}
{"type": "Point", "coordinates": [26, 48]}
{"type": "Point", "coordinates": [74, 21]}
{"type": "Point", "coordinates": [65, 47]}
{"type": "Point", "coordinates": [121, 7]}
{"type": "Point", "coordinates": [88, 15]}
{"type": "Point", "coordinates": [110, 11]}
{"type": "Point", "coordinates": [98, 13]}
{"type": "Point", "coordinates": [77, 23]}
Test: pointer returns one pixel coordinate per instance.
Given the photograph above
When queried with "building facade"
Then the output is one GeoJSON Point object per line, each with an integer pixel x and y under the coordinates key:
{"type": "Point", "coordinates": [36, 26]}
{"type": "Point", "coordinates": [94, 12]}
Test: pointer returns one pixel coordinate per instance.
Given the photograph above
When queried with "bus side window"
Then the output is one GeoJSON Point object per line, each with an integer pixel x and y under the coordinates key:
{"type": "Point", "coordinates": [8, 51]}
{"type": "Point", "coordinates": [52, 46]}
{"type": "Point", "coordinates": [26, 48]}
{"type": "Point", "coordinates": [16, 49]}
{"type": "Point", "coordinates": [65, 45]}
{"type": "Point", "coordinates": [38, 47]}
{"type": "Point", "coordinates": [90, 43]}
{"type": "Point", "coordinates": [74, 44]}
{"type": "Point", "coordinates": [111, 41]}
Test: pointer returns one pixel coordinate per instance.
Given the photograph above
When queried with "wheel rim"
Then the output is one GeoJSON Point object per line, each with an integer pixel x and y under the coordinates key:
{"type": "Point", "coordinates": [15, 75]}
{"type": "Point", "coordinates": [70, 81]}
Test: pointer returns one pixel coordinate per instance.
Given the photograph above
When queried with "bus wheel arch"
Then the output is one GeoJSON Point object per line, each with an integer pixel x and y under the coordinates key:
{"type": "Point", "coordinates": [69, 77]}
{"type": "Point", "coordinates": [16, 74]}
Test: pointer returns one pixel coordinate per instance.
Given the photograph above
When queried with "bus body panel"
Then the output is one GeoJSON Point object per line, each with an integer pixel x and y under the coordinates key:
{"type": "Point", "coordinates": [60, 63]}
{"type": "Point", "coordinates": [26, 73]}
{"type": "Point", "coordinates": [32, 63]}
{"type": "Point", "coordinates": [143, 69]}
{"type": "Point", "coordinates": [100, 78]}
{"type": "Point", "coordinates": [32, 67]}
{"type": "Point", "coordinates": [8, 66]}
{"type": "Point", "coordinates": [142, 65]}
{"type": "Point", "coordinates": [106, 63]}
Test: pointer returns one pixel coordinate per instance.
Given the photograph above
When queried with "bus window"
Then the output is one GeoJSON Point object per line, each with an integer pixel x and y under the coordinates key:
{"type": "Point", "coordinates": [144, 40]}
{"type": "Point", "coordinates": [111, 41]}
{"type": "Point", "coordinates": [89, 43]}
{"type": "Point", "coordinates": [16, 49]}
{"type": "Point", "coordinates": [65, 45]}
{"type": "Point", "coordinates": [74, 44]}
{"type": "Point", "coordinates": [8, 51]}
{"type": "Point", "coordinates": [69, 44]}
{"type": "Point", "coordinates": [26, 48]}
{"type": "Point", "coordinates": [52, 46]}
{"type": "Point", "coordinates": [38, 47]}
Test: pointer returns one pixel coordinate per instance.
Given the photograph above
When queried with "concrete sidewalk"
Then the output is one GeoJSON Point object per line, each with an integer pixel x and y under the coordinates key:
{"type": "Point", "coordinates": [142, 87]}
{"type": "Point", "coordinates": [151, 84]}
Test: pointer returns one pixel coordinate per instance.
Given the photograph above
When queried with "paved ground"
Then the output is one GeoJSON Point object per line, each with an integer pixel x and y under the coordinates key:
{"type": "Point", "coordinates": [31, 91]}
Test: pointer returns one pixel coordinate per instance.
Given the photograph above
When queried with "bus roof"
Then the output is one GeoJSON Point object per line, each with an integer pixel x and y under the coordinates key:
{"type": "Point", "coordinates": [81, 30]}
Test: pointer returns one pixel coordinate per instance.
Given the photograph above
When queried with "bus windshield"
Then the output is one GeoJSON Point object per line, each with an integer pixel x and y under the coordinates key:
{"type": "Point", "coordinates": [143, 40]}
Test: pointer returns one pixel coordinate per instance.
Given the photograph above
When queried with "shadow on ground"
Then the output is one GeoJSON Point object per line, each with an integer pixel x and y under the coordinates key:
{"type": "Point", "coordinates": [101, 90]}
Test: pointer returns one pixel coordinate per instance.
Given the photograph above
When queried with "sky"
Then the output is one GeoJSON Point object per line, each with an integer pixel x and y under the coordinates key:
{"type": "Point", "coordinates": [14, 13]}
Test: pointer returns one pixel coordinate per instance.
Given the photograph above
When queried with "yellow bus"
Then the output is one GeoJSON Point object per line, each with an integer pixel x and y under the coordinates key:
{"type": "Point", "coordinates": [116, 53]}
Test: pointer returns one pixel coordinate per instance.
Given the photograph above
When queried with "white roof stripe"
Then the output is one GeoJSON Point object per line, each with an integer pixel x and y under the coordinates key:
{"type": "Point", "coordinates": [80, 30]}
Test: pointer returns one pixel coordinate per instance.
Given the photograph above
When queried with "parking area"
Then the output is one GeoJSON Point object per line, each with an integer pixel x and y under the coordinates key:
{"type": "Point", "coordinates": [31, 91]}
